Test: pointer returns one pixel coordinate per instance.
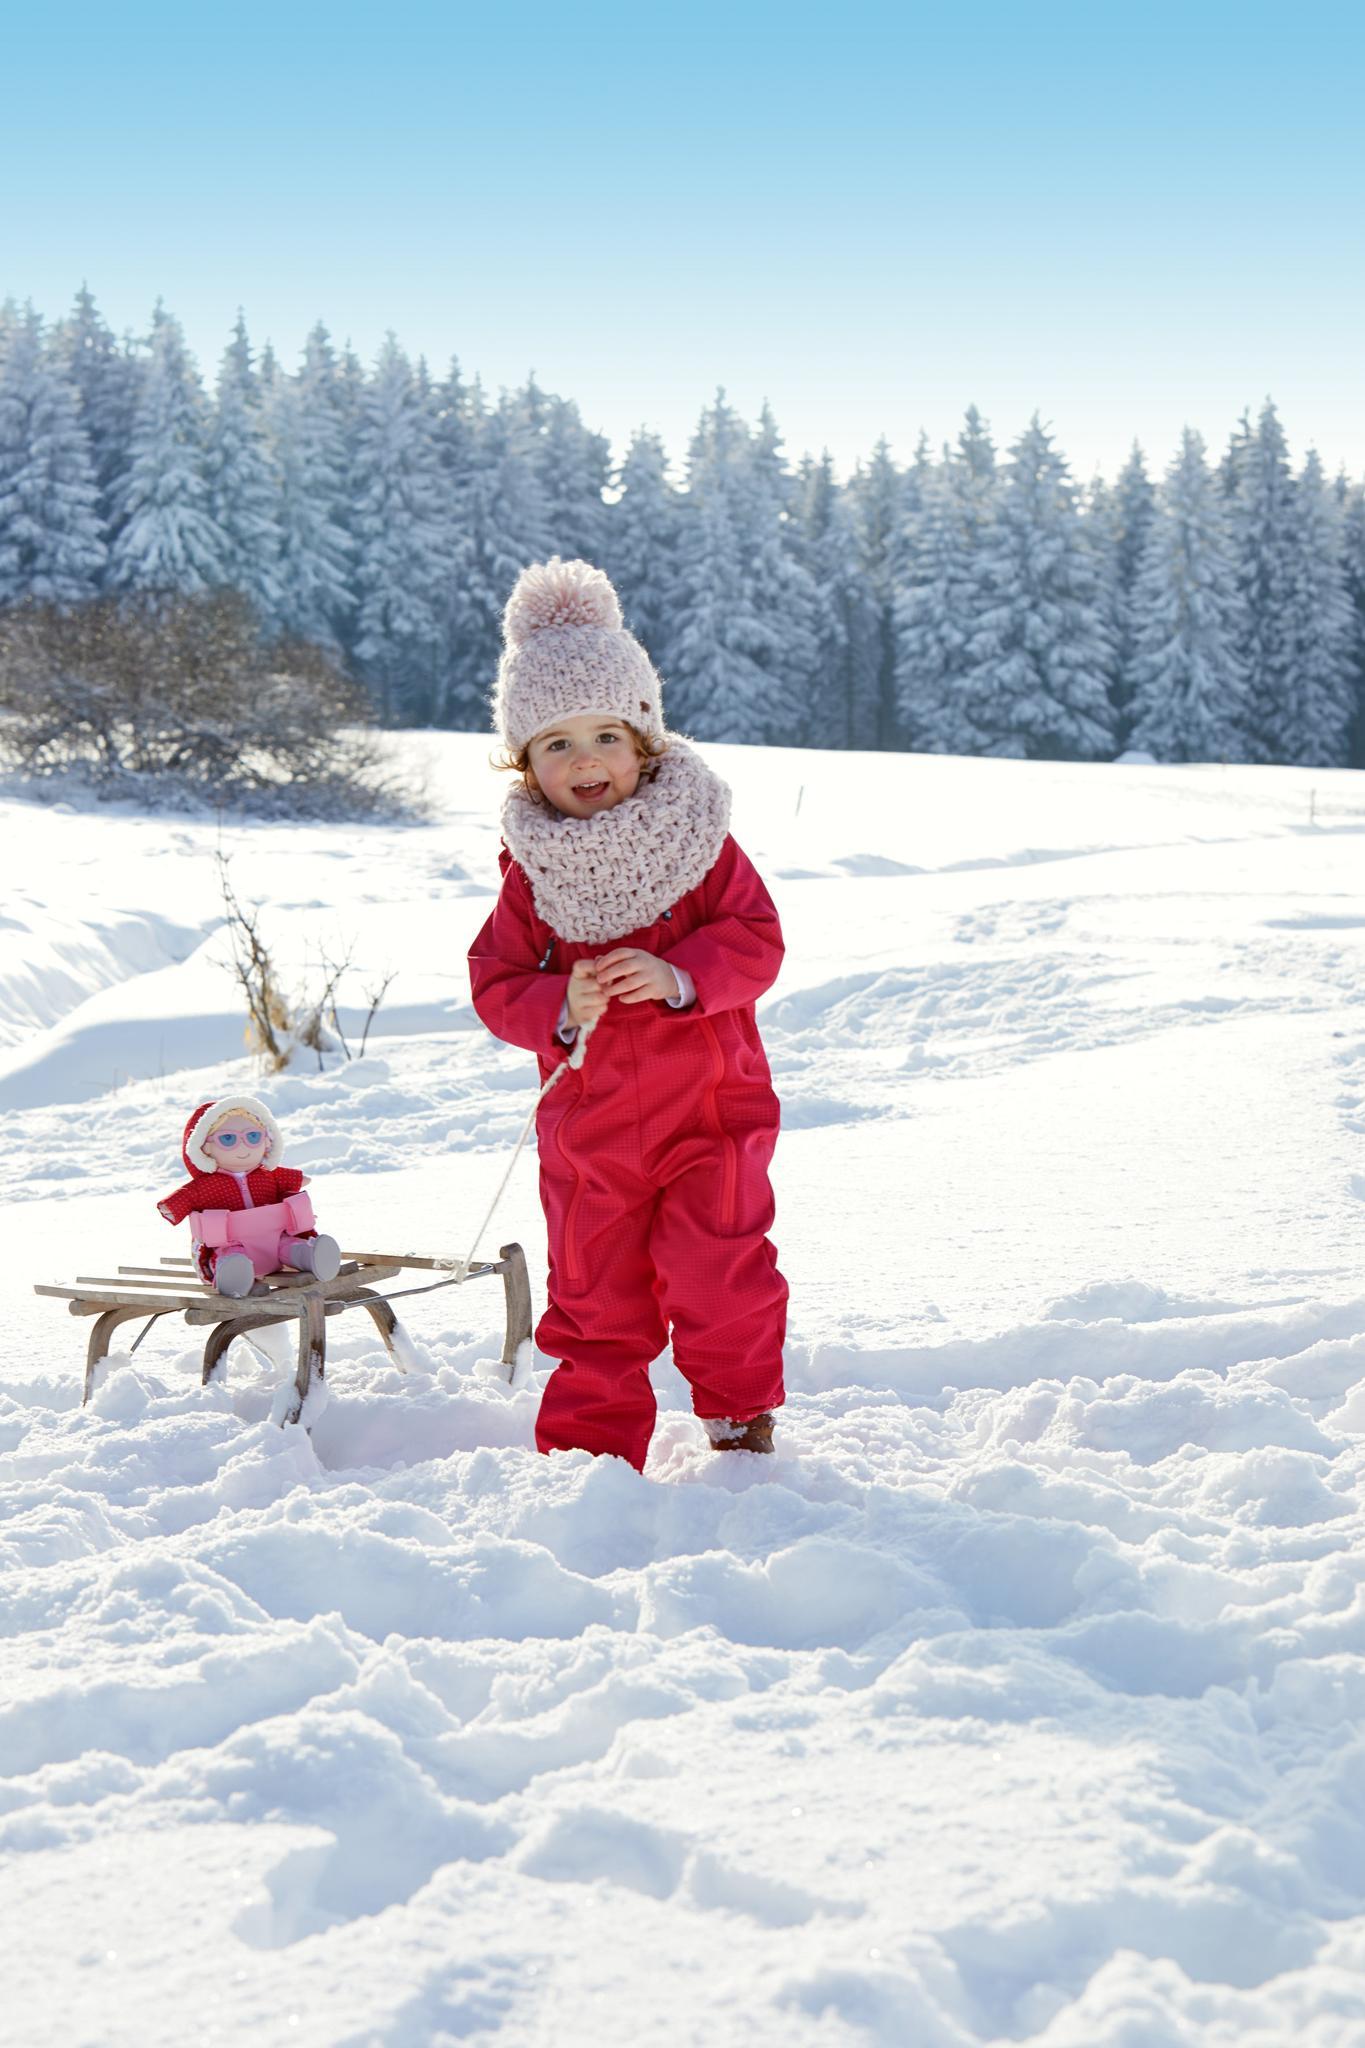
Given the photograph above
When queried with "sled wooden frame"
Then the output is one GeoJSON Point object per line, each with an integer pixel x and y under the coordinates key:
{"type": "Point", "coordinates": [174, 1287]}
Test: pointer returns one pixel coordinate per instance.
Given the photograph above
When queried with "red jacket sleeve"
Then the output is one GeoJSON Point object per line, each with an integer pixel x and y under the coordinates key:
{"type": "Point", "coordinates": [734, 955]}
{"type": "Point", "coordinates": [176, 1206]}
{"type": "Point", "coordinates": [288, 1181]}
{"type": "Point", "coordinates": [516, 999]}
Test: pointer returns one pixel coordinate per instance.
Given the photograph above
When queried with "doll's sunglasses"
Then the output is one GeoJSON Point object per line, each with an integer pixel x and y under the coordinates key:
{"type": "Point", "coordinates": [229, 1138]}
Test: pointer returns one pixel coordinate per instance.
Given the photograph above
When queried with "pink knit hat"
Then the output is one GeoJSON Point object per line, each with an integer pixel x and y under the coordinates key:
{"type": "Point", "coordinates": [565, 651]}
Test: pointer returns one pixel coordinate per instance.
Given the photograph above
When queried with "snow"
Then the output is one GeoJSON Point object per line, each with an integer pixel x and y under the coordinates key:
{"type": "Point", "coordinates": [1017, 1698]}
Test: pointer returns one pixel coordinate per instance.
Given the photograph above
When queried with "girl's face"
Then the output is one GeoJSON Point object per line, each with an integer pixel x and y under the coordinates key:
{"type": "Point", "coordinates": [585, 764]}
{"type": "Point", "coordinates": [237, 1144]}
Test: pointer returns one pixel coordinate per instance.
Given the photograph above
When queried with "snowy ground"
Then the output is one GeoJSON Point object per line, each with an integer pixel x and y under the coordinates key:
{"type": "Point", "coordinates": [1018, 1699]}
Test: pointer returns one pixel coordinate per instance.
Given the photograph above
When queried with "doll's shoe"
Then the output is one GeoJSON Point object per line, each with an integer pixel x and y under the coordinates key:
{"type": "Point", "coordinates": [754, 1435]}
{"type": "Point", "coordinates": [234, 1275]}
{"type": "Point", "coordinates": [320, 1256]}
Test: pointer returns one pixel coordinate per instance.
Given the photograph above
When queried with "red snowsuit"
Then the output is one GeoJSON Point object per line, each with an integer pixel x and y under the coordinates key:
{"type": "Point", "coordinates": [653, 1162]}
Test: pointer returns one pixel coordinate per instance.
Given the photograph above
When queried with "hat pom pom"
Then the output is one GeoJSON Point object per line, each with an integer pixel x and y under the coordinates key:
{"type": "Point", "coordinates": [559, 593]}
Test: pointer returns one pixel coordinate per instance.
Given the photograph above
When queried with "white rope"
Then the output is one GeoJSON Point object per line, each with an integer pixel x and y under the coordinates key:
{"type": "Point", "coordinates": [461, 1267]}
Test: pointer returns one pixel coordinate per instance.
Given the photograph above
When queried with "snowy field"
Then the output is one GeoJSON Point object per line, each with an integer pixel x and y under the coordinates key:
{"type": "Point", "coordinates": [1018, 1699]}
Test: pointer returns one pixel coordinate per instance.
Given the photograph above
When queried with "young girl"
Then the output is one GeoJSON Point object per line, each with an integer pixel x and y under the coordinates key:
{"type": "Point", "coordinates": [628, 911]}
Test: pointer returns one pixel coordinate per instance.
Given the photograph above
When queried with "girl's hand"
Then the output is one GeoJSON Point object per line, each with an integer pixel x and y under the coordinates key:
{"type": "Point", "coordinates": [585, 999]}
{"type": "Point", "coordinates": [633, 976]}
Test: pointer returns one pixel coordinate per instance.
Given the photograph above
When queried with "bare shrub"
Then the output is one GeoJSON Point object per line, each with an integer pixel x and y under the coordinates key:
{"type": "Point", "coordinates": [175, 699]}
{"type": "Point", "coordinates": [269, 1024]}
{"type": "Point", "coordinates": [276, 1024]}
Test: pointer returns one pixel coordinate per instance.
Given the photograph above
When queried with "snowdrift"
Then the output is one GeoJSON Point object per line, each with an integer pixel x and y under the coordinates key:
{"type": "Point", "coordinates": [1017, 1699]}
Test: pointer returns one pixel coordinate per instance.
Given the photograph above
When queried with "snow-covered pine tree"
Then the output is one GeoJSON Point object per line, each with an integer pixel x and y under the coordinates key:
{"type": "Point", "coordinates": [767, 461]}
{"type": "Point", "coordinates": [717, 687]}
{"type": "Point", "coordinates": [166, 538]}
{"type": "Point", "coordinates": [51, 540]}
{"type": "Point", "coordinates": [917, 485]}
{"type": "Point", "coordinates": [1351, 502]}
{"type": "Point", "coordinates": [453, 427]}
{"type": "Point", "coordinates": [1231, 470]}
{"type": "Point", "coordinates": [933, 615]}
{"type": "Point", "coordinates": [876, 501]}
{"type": "Point", "coordinates": [1035, 686]}
{"type": "Point", "coordinates": [643, 534]}
{"type": "Point", "coordinates": [1189, 700]}
{"type": "Point", "coordinates": [501, 526]}
{"type": "Point", "coordinates": [243, 480]}
{"type": "Point", "coordinates": [108, 378]}
{"type": "Point", "coordinates": [315, 551]}
{"type": "Point", "coordinates": [400, 540]}
{"type": "Point", "coordinates": [1315, 721]}
{"type": "Point", "coordinates": [1265, 520]}
{"type": "Point", "coordinates": [919, 480]}
{"type": "Point", "coordinates": [743, 656]}
{"type": "Point", "coordinates": [1133, 510]}
{"type": "Point", "coordinates": [783, 592]}
{"type": "Point", "coordinates": [1100, 524]}
{"type": "Point", "coordinates": [573, 465]}
{"type": "Point", "coordinates": [455, 418]}
{"type": "Point", "coordinates": [977, 473]}
{"type": "Point", "coordinates": [350, 386]}
{"type": "Point", "coordinates": [944, 593]}
{"type": "Point", "coordinates": [846, 619]}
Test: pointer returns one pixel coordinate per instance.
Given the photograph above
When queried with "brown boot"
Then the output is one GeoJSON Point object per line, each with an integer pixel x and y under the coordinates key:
{"type": "Point", "coordinates": [754, 1435]}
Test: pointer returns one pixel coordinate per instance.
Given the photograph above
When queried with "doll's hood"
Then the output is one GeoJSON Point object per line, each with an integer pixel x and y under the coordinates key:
{"type": "Point", "coordinates": [202, 1120]}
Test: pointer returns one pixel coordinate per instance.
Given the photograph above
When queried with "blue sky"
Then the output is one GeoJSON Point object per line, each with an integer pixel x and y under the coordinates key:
{"type": "Point", "coordinates": [1126, 217]}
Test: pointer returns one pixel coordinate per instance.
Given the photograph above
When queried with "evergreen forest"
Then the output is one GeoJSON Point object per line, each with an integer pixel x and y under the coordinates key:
{"type": "Point", "coordinates": [977, 599]}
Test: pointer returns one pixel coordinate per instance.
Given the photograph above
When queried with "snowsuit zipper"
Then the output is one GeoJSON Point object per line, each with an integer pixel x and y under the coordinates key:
{"type": "Point", "coordinates": [570, 1236]}
{"type": "Point", "coordinates": [715, 1124]}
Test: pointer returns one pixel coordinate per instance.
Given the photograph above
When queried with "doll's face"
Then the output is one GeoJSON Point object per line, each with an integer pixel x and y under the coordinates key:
{"type": "Point", "coordinates": [237, 1144]}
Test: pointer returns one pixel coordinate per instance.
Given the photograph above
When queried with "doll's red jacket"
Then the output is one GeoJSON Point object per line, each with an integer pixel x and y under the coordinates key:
{"type": "Point", "coordinates": [222, 1191]}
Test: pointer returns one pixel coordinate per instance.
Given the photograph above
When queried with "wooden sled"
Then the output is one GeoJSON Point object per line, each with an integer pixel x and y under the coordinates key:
{"type": "Point", "coordinates": [146, 1292]}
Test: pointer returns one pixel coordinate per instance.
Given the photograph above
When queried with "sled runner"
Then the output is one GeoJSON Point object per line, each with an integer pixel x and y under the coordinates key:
{"type": "Point", "coordinates": [147, 1292]}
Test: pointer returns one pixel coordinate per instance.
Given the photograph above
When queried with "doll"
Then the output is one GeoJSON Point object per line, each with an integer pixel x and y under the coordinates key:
{"type": "Point", "coordinates": [248, 1214]}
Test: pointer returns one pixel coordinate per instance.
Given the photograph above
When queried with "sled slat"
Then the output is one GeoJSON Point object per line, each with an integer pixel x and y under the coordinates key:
{"type": "Point", "coordinates": [86, 1301]}
{"type": "Point", "coordinates": [282, 1304]}
{"type": "Point", "coordinates": [160, 1273]}
{"type": "Point", "coordinates": [93, 1280]}
{"type": "Point", "coordinates": [426, 1265]}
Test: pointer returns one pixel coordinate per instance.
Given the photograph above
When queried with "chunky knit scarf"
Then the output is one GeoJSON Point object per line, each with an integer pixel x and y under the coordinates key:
{"type": "Point", "coordinates": [595, 879]}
